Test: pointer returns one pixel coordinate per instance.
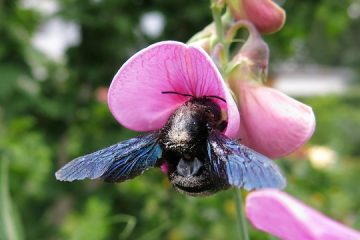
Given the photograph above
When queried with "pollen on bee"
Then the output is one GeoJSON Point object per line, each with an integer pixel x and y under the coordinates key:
{"type": "Point", "coordinates": [178, 136]}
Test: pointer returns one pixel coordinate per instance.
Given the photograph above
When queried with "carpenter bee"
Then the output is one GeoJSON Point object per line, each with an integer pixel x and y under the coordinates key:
{"type": "Point", "coordinates": [201, 160]}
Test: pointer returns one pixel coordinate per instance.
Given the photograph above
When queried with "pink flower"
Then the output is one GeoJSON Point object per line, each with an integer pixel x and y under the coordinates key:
{"type": "Point", "coordinates": [272, 123]}
{"type": "Point", "coordinates": [266, 15]}
{"type": "Point", "coordinates": [285, 217]}
{"type": "Point", "coordinates": [136, 97]}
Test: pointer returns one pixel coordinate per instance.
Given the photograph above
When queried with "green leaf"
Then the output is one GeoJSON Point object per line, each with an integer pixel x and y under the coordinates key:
{"type": "Point", "coordinates": [10, 227]}
{"type": "Point", "coordinates": [92, 224]}
{"type": "Point", "coordinates": [9, 75]}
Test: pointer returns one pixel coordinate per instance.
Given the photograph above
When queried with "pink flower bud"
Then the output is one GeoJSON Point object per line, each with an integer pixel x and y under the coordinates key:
{"type": "Point", "coordinates": [253, 57]}
{"type": "Point", "coordinates": [266, 15]}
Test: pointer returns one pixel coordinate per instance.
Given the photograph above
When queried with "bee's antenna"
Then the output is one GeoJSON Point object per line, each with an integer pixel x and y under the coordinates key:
{"type": "Point", "coordinates": [217, 97]}
{"type": "Point", "coordinates": [189, 95]}
{"type": "Point", "coordinates": [182, 94]}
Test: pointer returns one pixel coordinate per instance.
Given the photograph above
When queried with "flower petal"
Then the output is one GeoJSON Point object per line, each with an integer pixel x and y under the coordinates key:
{"type": "Point", "coordinates": [266, 15]}
{"type": "Point", "coordinates": [164, 167]}
{"type": "Point", "coordinates": [272, 123]}
{"type": "Point", "coordinates": [135, 95]}
{"type": "Point", "coordinates": [283, 216]}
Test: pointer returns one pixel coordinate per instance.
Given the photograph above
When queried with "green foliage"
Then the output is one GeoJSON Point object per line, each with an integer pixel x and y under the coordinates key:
{"type": "Point", "coordinates": [50, 114]}
{"type": "Point", "coordinates": [96, 215]}
{"type": "Point", "coordinates": [10, 227]}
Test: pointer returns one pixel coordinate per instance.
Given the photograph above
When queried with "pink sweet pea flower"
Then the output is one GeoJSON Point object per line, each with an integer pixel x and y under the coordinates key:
{"type": "Point", "coordinates": [136, 96]}
{"type": "Point", "coordinates": [272, 123]}
{"type": "Point", "coordinates": [285, 217]}
{"type": "Point", "coordinates": [266, 15]}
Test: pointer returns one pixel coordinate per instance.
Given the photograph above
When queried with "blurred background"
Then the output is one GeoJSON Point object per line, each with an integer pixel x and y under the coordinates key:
{"type": "Point", "coordinates": [57, 58]}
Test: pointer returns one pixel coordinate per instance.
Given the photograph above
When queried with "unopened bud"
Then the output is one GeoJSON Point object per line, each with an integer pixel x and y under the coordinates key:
{"type": "Point", "coordinates": [253, 57]}
{"type": "Point", "coordinates": [204, 38]}
{"type": "Point", "coordinates": [266, 15]}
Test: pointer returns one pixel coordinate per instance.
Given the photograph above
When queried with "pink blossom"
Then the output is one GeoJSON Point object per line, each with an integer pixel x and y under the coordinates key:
{"type": "Point", "coordinates": [272, 123]}
{"type": "Point", "coordinates": [285, 217]}
{"type": "Point", "coordinates": [135, 96]}
{"type": "Point", "coordinates": [266, 15]}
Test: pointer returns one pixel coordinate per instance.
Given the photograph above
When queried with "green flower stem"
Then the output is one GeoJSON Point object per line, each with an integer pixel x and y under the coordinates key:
{"type": "Point", "coordinates": [216, 9]}
{"type": "Point", "coordinates": [216, 13]}
{"type": "Point", "coordinates": [10, 227]}
{"type": "Point", "coordinates": [244, 235]}
{"type": "Point", "coordinates": [231, 33]}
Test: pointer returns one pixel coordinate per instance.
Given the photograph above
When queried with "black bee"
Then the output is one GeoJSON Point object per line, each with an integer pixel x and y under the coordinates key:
{"type": "Point", "coordinates": [201, 160]}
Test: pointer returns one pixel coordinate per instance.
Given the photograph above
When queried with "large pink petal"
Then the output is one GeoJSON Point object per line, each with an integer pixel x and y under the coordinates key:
{"type": "Point", "coordinates": [272, 123]}
{"type": "Point", "coordinates": [135, 97]}
{"type": "Point", "coordinates": [278, 213]}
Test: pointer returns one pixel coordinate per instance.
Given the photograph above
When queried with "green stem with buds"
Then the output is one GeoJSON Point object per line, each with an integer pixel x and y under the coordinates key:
{"type": "Point", "coordinates": [216, 9]}
{"type": "Point", "coordinates": [217, 6]}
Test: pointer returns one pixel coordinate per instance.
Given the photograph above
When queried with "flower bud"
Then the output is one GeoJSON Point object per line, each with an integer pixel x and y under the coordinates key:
{"type": "Point", "coordinates": [204, 38]}
{"type": "Point", "coordinates": [266, 15]}
{"type": "Point", "coordinates": [253, 57]}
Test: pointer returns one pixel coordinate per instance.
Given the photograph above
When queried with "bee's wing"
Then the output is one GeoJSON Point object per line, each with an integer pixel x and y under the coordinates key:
{"type": "Point", "coordinates": [116, 163]}
{"type": "Point", "coordinates": [242, 166]}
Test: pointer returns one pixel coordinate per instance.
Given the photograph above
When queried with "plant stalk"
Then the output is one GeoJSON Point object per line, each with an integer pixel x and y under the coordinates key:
{"type": "Point", "coordinates": [216, 9]}
{"type": "Point", "coordinates": [244, 234]}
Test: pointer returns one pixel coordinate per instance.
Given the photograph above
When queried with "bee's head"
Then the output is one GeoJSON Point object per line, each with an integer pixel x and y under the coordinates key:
{"type": "Point", "coordinates": [194, 177]}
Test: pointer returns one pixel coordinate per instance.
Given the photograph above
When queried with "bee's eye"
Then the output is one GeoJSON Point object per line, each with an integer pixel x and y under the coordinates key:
{"type": "Point", "coordinates": [222, 125]}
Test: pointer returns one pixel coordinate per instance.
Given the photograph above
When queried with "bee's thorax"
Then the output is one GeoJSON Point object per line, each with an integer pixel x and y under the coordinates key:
{"type": "Point", "coordinates": [187, 128]}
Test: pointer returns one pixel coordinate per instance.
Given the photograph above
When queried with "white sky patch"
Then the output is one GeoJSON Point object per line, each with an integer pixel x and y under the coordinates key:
{"type": "Point", "coordinates": [354, 10]}
{"type": "Point", "coordinates": [304, 81]}
{"type": "Point", "coordinates": [152, 24]}
{"type": "Point", "coordinates": [55, 36]}
{"type": "Point", "coordinates": [46, 7]}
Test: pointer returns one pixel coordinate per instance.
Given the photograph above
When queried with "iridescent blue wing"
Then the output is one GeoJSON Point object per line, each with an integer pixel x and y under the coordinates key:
{"type": "Point", "coordinates": [116, 163]}
{"type": "Point", "coordinates": [242, 166]}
